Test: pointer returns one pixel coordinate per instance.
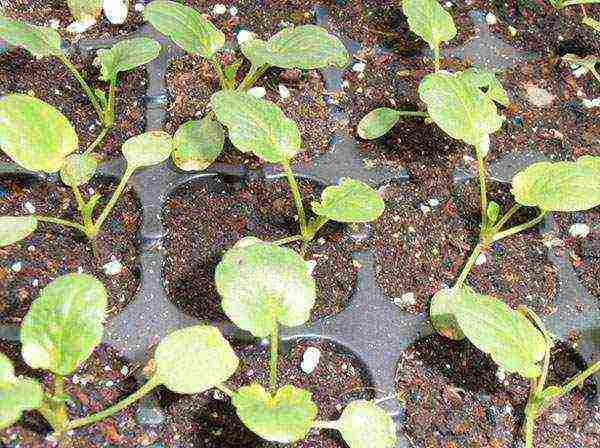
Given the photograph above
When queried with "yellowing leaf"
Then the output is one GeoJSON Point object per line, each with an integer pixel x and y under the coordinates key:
{"type": "Point", "coordinates": [78, 169]}
{"type": "Point", "coordinates": [363, 424]}
{"type": "Point", "coordinates": [150, 148]}
{"type": "Point", "coordinates": [441, 312]}
{"type": "Point", "coordinates": [198, 144]}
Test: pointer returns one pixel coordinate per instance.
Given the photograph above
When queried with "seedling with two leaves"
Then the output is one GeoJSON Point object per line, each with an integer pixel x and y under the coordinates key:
{"type": "Point", "coordinates": [39, 138]}
{"type": "Point", "coordinates": [121, 57]}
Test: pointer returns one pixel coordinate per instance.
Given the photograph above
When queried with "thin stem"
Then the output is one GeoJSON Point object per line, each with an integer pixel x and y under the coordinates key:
{"type": "Point", "coordinates": [225, 85]}
{"type": "Point", "coordinates": [595, 73]}
{"type": "Point", "coordinates": [59, 385]}
{"type": "Point", "coordinates": [62, 222]}
{"type": "Point", "coordinates": [516, 229]}
{"type": "Point", "coordinates": [436, 58]}
{"type": "Point", "coordinates": [321, 424]}
{"type": "Point", "coordinates": [579, 379]}
{"type": "Point", "coordinates": [87, 219]}
{"type": "Point", "coordinates": [96, 142]}
{"type": "Point", "coordinates": [84, 85]}
{"type": "Point", "coordinates": [144, 390]}
{"type": "Point", "coordinates": [413, 113]}
{"type": "Point", "coordinates": [252, 77]}
{"type": "Point", "coordinates": [109, 119]}
{"type": "Point", "coordinates": [227, 391]}
{"type": "Point", "coordinates": [51, 417]}
{"type": "Point", "coordinates": [297, 198]}
{"type": "Point", "coordinates": [115, 197]}
{"type": "Point", "coordinates": [469, 265]}
{"type": "Point", "coordinates": [273, 358]}
{"type": "Point", "coordinates": [529, 429]}
{"type": "Point", "coordinates": [317, 225]}
{"type": "Point", "coordinates": [514, 209]}
{"type": "Point", "coordinates": [482, 189]}
{"type": "Point", "coordinates": [289, 239]}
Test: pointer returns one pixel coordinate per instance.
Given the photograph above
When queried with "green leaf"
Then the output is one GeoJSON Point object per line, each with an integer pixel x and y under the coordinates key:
{"type": "Point", "coordinates": [460, 109]}
{"type": "Point", "coordinates": [150, 148]}
{"type": "Point", "coordinates": [512, 341]}
{"type": "Point", "coordinates": [186, 27]}
{"type": "Point", "coordinates": [559, 186]}
{"type": "Point", "coordinates": [198, 144]}
{"type": "Point", "coordinates": [594, 24]}
{"type": "Point", "coordinates": [377, 123]}
{"type": "Point", "coordinates": [363, 424]}
{"type": "Point", "coordinates": [78, 169]}
{"type": "Point", "coordinates": [493, 212]}
{"type": "Point", "coordinates": [65, 324]}
{"type": "Point", "coordinates": [306, 47]}
{"type": "Point", "coordinates": [482, 78]}
{"type": "Point", "coordinates": [256, 125]}
{"type": "Point", "coordinates": [441, 312]}
{"type": "Point", "coordinates": [350, 201]}
{"type": "Point", "coordinates": [231, 70]}
{"type": "Point", "coordinates": [34, 134]}
{"type": "Point", "coordinates": [82, 9]}
{"type": "Point", "coordinates": [194, 359]}
{"type": "Point", "coordinates": [262, 284]}
{"type": "Point", "coordinates": [39, 41]}
{"type": "Point", "coordinates": [285, 418]}
{"type": "Point", "coordinates": [16, 394]}
{"type": "Point", "coordinates": [126, 55]}
{"type": "Point", "coordinates": [430, 21]}
{"type": "Point", "coordinates": [15, 228]}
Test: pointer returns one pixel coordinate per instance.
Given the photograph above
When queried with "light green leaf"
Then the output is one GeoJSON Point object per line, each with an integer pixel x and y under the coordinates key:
{"type": "Point", "coordinates": [305, 47]}
{"type": "Point", "coordinates": [78, 169]}
{"type": "Point", "coordinates": [186, 27]}
{"type": "Point", "coordinates": [198, 144]}
{"type": "Point", "coordinates": [150, 148]}
{"type": "Point", "coordinates": [363, 424]}
{"type": "Point", "coordinates": [39, 41]}
{"type": "Point", "coordinates": [482, 78]}
{"type": "Point", "coordinates": [126, 55]}
{"type": "Point", "coordinates": [16, 394]}
{"type": "Point", "coordinates": [559, 186]}
{"type": "Point", "coordinates": [256, 125]}
{"type": "Point", "coordinates": [15, 228]}
{"type": "Point", "coordinates": [512, 341]}
{"type": "Point", "coordinates": [194, 359]}
{"type": "Point", "coordinates": [460, 109]}
{"type": "Point", "coordinates": [592, 23]}
{"type": "Point", "coordinates": [441, 312]}
{"type": "Point", "coordinates": [493, 212]}
{"type": "Point", "coordinates": [377, 123]}
{"type": "Point", "coordinates": [350, 201]}
{"type": "Point", "coordinates": [83, 9]}
{"type": "Point", "coordinates": [430, 21]}
{"type": "Point", "coordinates": [262, 284]}
{"type": "Point", "coordinates": [284, 418]}
{"type": "Point", "coordinates": [65, 324]}
{"type": "Point", "coordinates": [34, 134]}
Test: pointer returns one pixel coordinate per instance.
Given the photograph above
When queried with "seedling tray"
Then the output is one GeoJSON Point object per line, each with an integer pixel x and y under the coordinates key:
{"type": "Point", "coordinates": [371, 326]}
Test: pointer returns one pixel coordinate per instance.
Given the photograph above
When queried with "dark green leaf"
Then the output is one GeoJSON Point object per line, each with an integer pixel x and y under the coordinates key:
{"type": "Point", "coordinates": [198, 144]}
{"type": "Point", "coordinates": [350, 201]}
{"type": "Point", "coordinates": [126, 55]}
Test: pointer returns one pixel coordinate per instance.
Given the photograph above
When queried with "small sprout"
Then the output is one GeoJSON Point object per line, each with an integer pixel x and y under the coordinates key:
{"type": "Point", "coordinates": [197, 144]}
{"type": "Point", "coordinates": [350, 201]}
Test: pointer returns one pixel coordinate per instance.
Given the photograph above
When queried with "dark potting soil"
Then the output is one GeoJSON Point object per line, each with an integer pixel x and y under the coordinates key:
{"type": "Point", "coordinates": [455, 397]}
{"type": "Point", "coordinates": [53, 250]}
{"type": "Point", "coordinates": [205, 219]}
{"type": "Point", "coordinates": [209, 420]}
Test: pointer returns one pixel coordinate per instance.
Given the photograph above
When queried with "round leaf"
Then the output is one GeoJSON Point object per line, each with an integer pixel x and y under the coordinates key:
{"type": "Point", "coordinates": [441, 313]}
{"type": "Point", "coordinates": [15, 228]}
{"type": "Point", "coordinates": [186, 27]}
{"type": "Point", "coordinates": [350, 201]}
{"type": "Point", "coordinates": [16, 394]}
{"type": "Point", "coordinates": [256, 125]}
{"type": "Point", "coordinates": [459, 108]}
{"type": "Point", "coordinates": [194, 359]}
{"type": "Point", "coordinates": [377, 123]}
{"type": "Point", "coordinates": [126, 55]}
{"type": "Point", "coordinates": [147, 149]}
{"type": "Point", "coordinates": [559, 186]}
{"type": "Point", "coordinates": [512, 341]}
{"type": "Point", "coordinates": [285, 418]}
{"type": "Point", "coordinates": [83, 9]}
{"type": "Point", "coordinates": [39, 41]}
{"type": "Point", "coordinates": [262, 284]}
{"type": "Point", "coordinates": [78, 169]}
{"type": "Point", "coordinates": [197, 144]}
{"type": "Point", "coordinates": [365, 424]}
{"type": "Point", "coordinates": [34, 134]}
{"type": "Point", "coordinates": [430, 21]}
{"type": "Point", "coordinates": [64, 325]}
{"type": "Point", "coordinates": [306, 47]}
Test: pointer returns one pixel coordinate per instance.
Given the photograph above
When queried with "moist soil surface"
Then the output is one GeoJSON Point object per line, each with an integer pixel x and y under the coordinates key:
{"type": "Point", "coordinates": [455, 397]}
{"type": "Point", "coordinates": [53, 250]}
{"type": "Point", "coordinates": [231, 211]}
{"type": "Point", "coordinates": [206, 420]}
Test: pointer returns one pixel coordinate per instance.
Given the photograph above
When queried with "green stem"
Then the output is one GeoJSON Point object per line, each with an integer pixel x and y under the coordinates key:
{"type": "Point", "coordinates": [111, 113]}
{"type": "Point", "coordinates": [84, 85]}
{"type": "Point", "coordinates": [115, 197]}
{"type": "Point", "coordinates": [579, 379]}
{"type": "Point", "coordinates": [516, 229]}
{"type": "Point", "coordinates": [289, 239]}
{"type": "Point", "coordinates": [482, 190]}
{"type": "Point", "coordinates": [320, 424]}
{"type": "Point", "coordinates": [59, 385]}
{"type": "Point", "coordinates": [87, 219]}
{"type": "Point", "coordinates": [297, 199]}
{"type": "Point", "coordinates": [47, 411]}
{"type": "Point", "coordinates": [316, 225]}
{"type": "Point", "coordinates": [436, 58]}
{"type": "Point", "coordinates": [469, 265]}
{"type": "Point", "coordinates": [225, 85]}
{"type": "Point", "coordinates": [530, 418]}
{"type": "Point", "coordinates": [252, 77]}
{"type": "Point", "coordinates": [273, 358]}
{"type": "Point", "coordinates": [62, 222]}
{"type": "Point", "coordinates": [514, 209]}
{"type": "Point", "coordinates": [409, 113]}
{"type": "Point", "coordinates": [227, 391]}
{"type": "Point", "coordinates": [96, 142]}
{"type": "Point", "coordinates": [144, 390]}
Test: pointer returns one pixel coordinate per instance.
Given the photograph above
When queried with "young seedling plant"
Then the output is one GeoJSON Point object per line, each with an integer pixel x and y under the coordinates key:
{"type": "Point", "coordinates": [123, 56]}
{"type": "Point", "coordinates": [38, 137]}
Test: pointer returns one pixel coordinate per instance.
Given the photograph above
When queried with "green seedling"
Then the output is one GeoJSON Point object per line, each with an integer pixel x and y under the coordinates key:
{"type": "Point", "coordinates": [123, 56]}
{"type": "Point", "coordinates": [39, 138]}
{"type": "Point", "coordinates": [62, 329]}
{"type": "Point", "coordinates": [585, 65]}
{"type": "Point", "coordinates": [264, 286]}
{"type": "Point", "coordinates": [86, 12]}
{"type": "Point", "coordinates": [304, 47]}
